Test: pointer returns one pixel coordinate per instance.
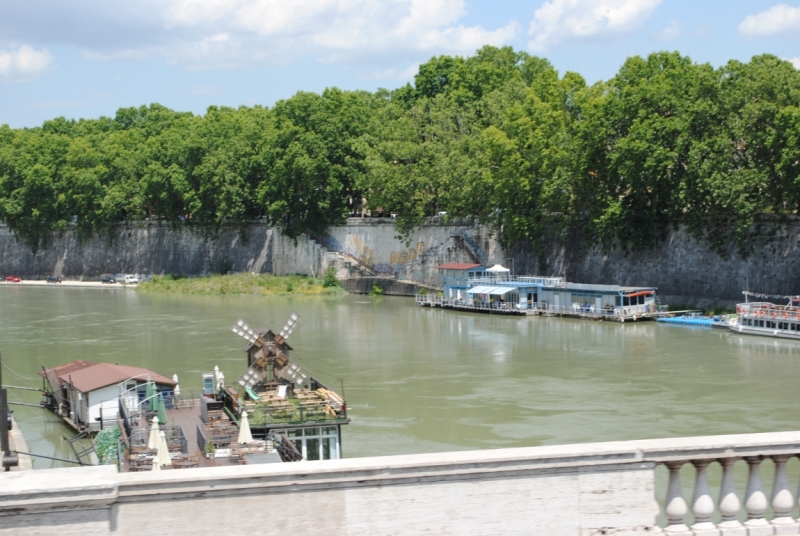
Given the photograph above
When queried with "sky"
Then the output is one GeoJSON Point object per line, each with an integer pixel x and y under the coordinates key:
{"type": "Point", "coordinates": [88, 58]}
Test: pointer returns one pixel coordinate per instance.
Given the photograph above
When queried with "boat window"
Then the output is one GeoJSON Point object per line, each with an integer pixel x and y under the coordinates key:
{"type": "Point", "coordinates": [618, 301]}
{"type": "Point", "coordinates": [761, 323]}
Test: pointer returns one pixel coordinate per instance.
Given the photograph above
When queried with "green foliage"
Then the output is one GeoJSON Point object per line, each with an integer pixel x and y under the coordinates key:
{"type": "Point", "coordinates": [329, 279]}
{"type": "Point", "coordinates": [105, 443]}
{"type": "Point", "coordinates": [499, 137]}
{"type": "Point", "coordinates": [242, 283]}
{"type": "Point", "coordinates": [423, 291]}
{"type": "Point", "coordinates": [376, 290]}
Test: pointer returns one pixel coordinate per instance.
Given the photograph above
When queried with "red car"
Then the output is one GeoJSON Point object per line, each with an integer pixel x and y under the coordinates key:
{"type": "Point", "coordinates": [12, 279]}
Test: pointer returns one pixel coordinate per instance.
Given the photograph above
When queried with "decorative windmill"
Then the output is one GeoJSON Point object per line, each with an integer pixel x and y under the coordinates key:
{"type": "Point", "coordinates": [270, 356]}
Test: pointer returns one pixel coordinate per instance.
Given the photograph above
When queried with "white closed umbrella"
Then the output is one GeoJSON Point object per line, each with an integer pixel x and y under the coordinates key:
{"type": "Point", "coordinates": [152, 441]}
{"type": "Point", "coordinates": [450, 293]}
{"type": "Point", "coordinates": [156, 465]}
{"type": "Point", "coordinates": [163, 450]}
{"type": "Point", "coordinates": [177, 390]}
{"type": "Point", "coordinates": [458, 295]}
{"type": "Point", "coordinates": [245, 436]}
{"type": "Point", "coordinates": [219, 379]}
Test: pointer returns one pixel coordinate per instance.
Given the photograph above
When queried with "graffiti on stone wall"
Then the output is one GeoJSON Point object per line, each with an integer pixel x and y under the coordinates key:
{"type": "Point", "coordinates": [403, 257]}
{"type": "Point", "coordinates": [355, 245]}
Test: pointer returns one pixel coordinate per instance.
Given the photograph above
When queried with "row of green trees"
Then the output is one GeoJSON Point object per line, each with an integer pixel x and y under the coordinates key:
{"type": "Point", "coordinates": [499, 137]}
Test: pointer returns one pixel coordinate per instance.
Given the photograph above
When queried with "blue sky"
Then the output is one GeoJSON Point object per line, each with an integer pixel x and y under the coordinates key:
{"type": "Point", "coordinates": [87, 58]}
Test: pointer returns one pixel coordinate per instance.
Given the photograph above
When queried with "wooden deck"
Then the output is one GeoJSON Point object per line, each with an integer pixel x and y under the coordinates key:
{"type": "Point", "coordinates": [189, 420]}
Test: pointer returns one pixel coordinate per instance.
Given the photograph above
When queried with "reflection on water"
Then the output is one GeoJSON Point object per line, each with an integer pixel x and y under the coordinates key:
{"type": "Point", "coordinates": [422, 380]}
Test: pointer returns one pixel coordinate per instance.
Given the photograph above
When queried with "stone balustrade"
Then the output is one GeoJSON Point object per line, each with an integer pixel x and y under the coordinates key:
{"type": "Point", "coordinates": [584, 489]}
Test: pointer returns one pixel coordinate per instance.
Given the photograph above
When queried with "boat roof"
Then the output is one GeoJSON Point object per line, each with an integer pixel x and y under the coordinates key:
{"type": "Point", "coordinates": [598, 288]}
{"type": "Point", "coordinates": [87, 376]}
{"type": "Point", "coordinates": [459, 266]}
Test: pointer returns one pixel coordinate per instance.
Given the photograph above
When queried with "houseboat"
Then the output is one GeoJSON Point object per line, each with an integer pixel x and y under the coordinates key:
{"type": "Point", "coordinates": [87, 395]}
{"type": "Point", "coordinates": [768, 319]}
{"type": "Point", "coordinates": [281, 399]}
{"type": "Point", "coordinates": [495, 290]}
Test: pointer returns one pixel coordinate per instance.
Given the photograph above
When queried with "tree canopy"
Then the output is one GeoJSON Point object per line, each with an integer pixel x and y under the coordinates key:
{"type": "Point", "coordinates": [500, 137]}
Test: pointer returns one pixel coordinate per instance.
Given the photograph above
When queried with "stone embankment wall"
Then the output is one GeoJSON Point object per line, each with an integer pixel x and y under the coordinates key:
{"type": "Point", "coordinates": [686, 271]}
{"type": "Point", "coordinates": [152, 249]}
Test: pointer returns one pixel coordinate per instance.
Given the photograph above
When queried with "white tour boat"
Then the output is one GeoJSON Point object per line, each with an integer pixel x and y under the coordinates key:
{"type": "Point", "coordinates": [768, 319]}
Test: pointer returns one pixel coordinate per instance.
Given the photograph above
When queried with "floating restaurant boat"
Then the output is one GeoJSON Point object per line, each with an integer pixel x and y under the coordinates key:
{"type": "Point", "coordinates": [281, 399]}
{"type": "Point", "coordinates": [768, 319]}
{"type": "Point", "coordinates": [472, 287]}
{"type": "Point", "coordinates": [86, 394]}
{"type": "Point", "coordinates": [274, 413]}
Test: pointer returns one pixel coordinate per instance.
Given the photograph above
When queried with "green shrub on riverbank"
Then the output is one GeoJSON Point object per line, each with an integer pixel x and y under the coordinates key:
{"type": "Point", "coordinates": [244, 283]}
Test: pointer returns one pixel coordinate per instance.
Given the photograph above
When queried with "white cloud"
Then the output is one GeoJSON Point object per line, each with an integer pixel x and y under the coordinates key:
{"type": "Point", "coordinates": [276, 31]}
{"type": "Point", "coordinates": [778, 19]}
{"type": "Point", "coordinates": [795, 62]}
{"type": "Point", "coordinates": [24, 63]}
{"type": "Point", "coordinates": [404, 75]}
{"type": "Point", "coordinates": [669, 33]}
{"type": "Point", "coordinates": [564, 20]}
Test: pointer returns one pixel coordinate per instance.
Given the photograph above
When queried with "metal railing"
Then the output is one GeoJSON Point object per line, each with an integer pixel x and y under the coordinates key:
{"type": "Point", "coordinates": [544, 307]}
{"type": "Point", "coordinates": [769, 310]}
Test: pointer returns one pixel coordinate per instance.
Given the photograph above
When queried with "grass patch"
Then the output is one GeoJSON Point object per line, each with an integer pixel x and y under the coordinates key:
{"type": "Point", "coordinates": [243, 283]}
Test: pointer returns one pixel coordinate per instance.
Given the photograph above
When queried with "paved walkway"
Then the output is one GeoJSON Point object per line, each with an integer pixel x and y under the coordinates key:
{"type": "Point", "coordinates": [17, 442]}
{"type": "Point", "coordinates": [81, 284]}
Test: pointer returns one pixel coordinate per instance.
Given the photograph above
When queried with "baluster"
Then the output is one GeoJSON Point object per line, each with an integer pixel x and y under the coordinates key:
{"type": "Point", "coordinates": [729, 503]}
{"type": "Point", "coordinates": [675, 506]}
{"type": "Point", "coordinates": [782, 500]}
{"type": "Point", "coordinates": [702, 503]}
{"type": "Point", "coordinates": [755, 502]}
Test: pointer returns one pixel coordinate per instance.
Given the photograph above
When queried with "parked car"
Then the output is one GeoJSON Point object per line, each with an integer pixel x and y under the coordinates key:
{"type": "Point", "coordinates": [109, 279]}
{"type": "Point", "coordinates": [12, 279]}
{"type": "Point", "coordinates": [54, 279]}
{"type": "Point", "coordinates": [131, 280]}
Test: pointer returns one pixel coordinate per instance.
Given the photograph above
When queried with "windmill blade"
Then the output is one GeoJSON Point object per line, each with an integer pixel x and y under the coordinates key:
{"type": "Point", "coordinates": [294, 373]}
{"type": "Point", "coordinates": [253, 373]}
{"type": "Point", "coordinates": [246, 332]}
{"type": "Point", "coordinates": [294, 321]}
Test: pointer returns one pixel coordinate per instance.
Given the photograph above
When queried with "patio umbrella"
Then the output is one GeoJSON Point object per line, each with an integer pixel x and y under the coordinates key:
{"type": "Point", "coordinates": [161, 408]}
{"type": "Point", "coordinates": [163, 450]}
{"type": "Point", "coordinates": [150, 389]}
{"type": "Point", "coordinates": [152, 441]}
{"type": "Point", "coordinates": [458, 295]}
{"type": "Point", "coordinates": [450, 293]}
{"type": "Point", "coordinates": [156, 465]}
{"type": "Point", "coordinates": [177, 390]}
{"type": "Point", "coordinates": [219, 379]}
{"type": "Point", "coordinates": [245, 436]}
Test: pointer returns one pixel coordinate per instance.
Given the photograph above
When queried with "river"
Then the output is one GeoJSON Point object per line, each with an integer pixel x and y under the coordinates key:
{"type": "Point", "coordinates": [420, 380]}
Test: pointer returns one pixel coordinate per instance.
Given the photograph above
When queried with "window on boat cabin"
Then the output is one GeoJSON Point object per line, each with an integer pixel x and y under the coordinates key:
{"type": "Point", "coordinates": [761, 323]}
{"type": "Point", "coordinates": [770, 324]}
{"type": "Point", "coordinates": [783, 325]}
{"type": "Point", "coordinates": [316, 443]}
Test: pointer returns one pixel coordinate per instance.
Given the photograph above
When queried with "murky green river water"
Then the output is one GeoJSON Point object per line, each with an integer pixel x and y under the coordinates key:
{"type": "Point", "coordinates": [420, 380]}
